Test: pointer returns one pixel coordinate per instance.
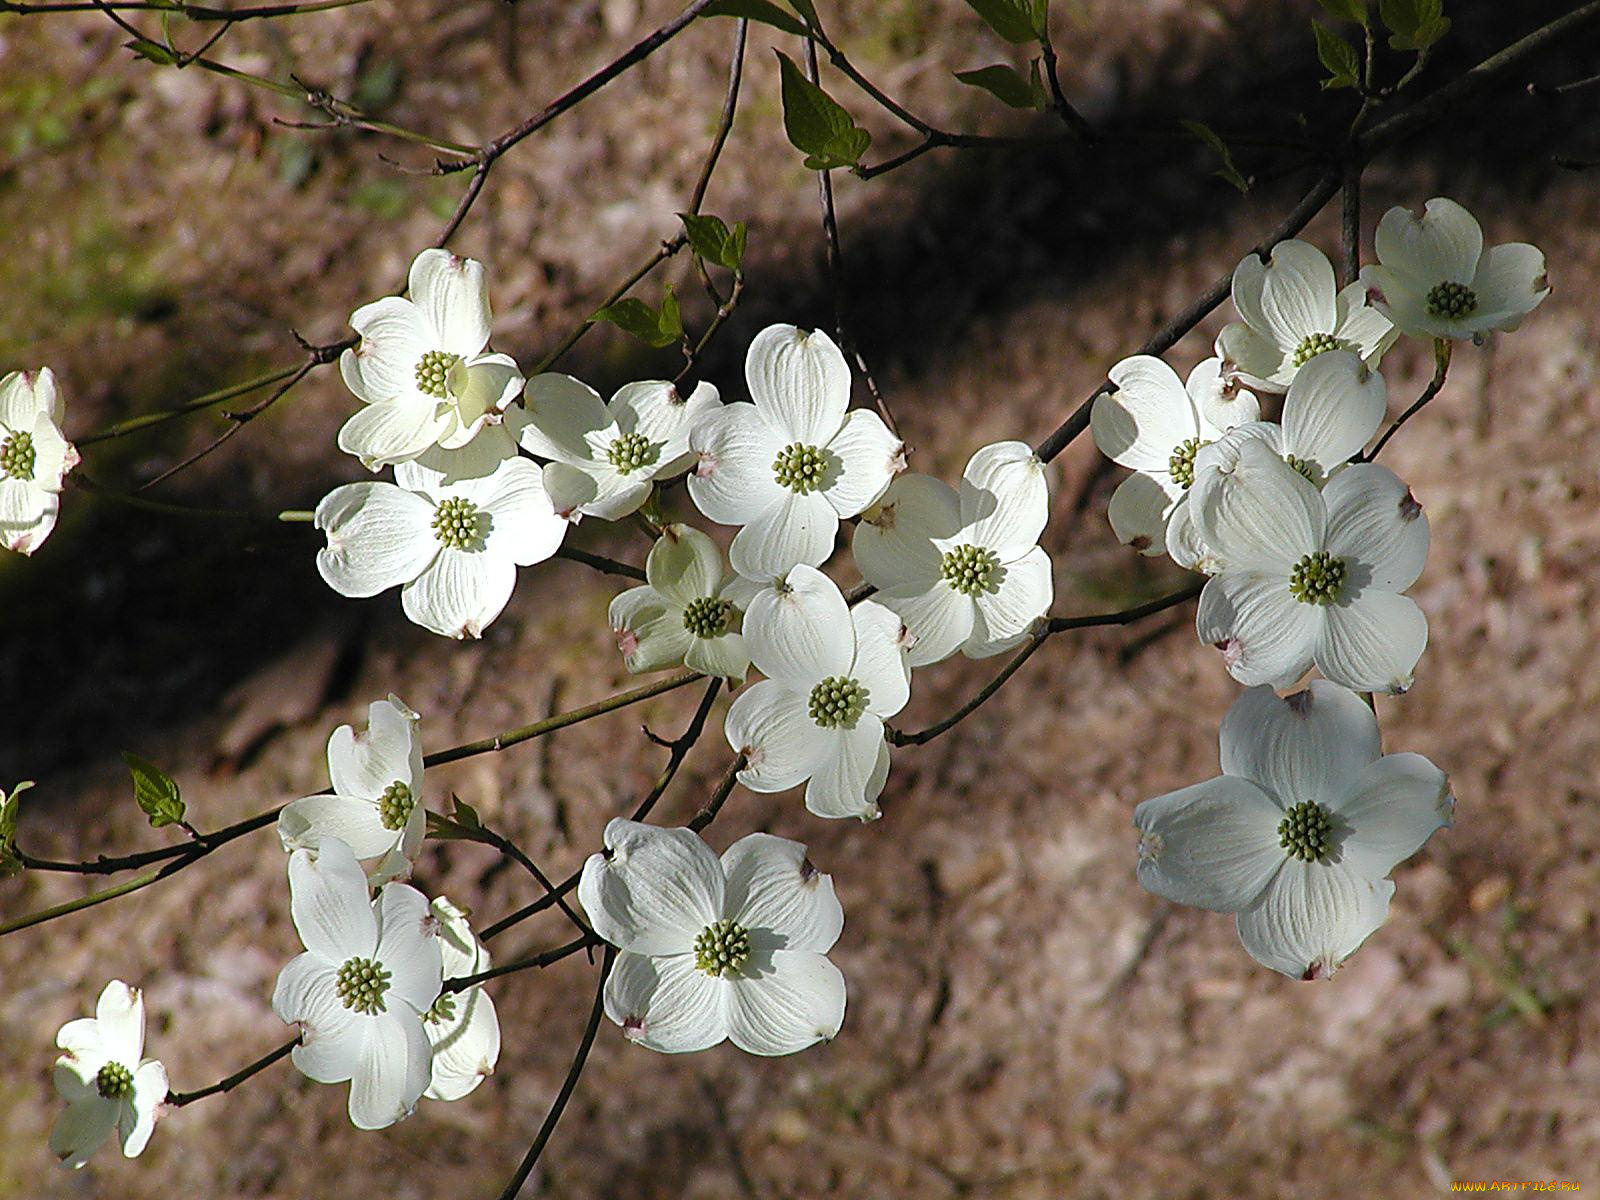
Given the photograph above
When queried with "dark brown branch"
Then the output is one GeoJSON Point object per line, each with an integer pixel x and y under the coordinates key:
{"type": "Point", "coordinates": [179, 1099]}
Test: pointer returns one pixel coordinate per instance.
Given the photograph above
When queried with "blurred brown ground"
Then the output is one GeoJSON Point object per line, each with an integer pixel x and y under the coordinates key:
{"type": "Point", "coordinates": [1024, 1021]}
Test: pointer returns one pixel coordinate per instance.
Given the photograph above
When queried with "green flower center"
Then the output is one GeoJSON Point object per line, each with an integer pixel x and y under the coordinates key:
{"type": "Point", "coordinates": [630, 452]}
{"type": "Point", "coordinates": [1318, 578]}
{"type": "Point", "coordinates": [721, 948]}
{"type": "Point", "coordinates": [968, 569]}
{"type": "Point", "coordinates": [1306, 832]}
{"type": "Point", "coordinates": [1181, 465]}
{"type": "Point", "coordinates": [707, 617]}
{"type": "Point", "coordinates": [1451, 300]}
{"type": "Point", "coordinates": [800, 468]}
{"type": "Point", "coordinates": [433, 368]}
{"type": "Point", "coordinates": [444, 1009]}
{"type": "Point", "coordinates": [455, 523]}
{"type": "Point", "coordinates": [1315, 344]}
{"type": "Point", "coordinates": [1304, 465]}
{"type": "Point", "coordinates": [395, 805]}
{"type": "Point", "coordinates": [17, 456]}
{"type": "Point", "coordinates": [360, 984]}
{"type": "Point", "coordinates": [114, 1081]}
{"type": "Point", "coordinates": [837, 702]}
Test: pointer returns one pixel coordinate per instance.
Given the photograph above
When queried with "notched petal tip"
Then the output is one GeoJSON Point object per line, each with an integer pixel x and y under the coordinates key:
{"type": "Point", "coordinates": [1321, 968]}
{"type": "Point", "coordinates": [1151, 845]}
{"type": "Point", "coordinates": [634, 1029]}
{"type": "Point", "coordinates": [1410, 507]}
{"type": "Point", "coordinates": [1141, 543]}
{"type": "Point", "coordinates": [1300, 703]}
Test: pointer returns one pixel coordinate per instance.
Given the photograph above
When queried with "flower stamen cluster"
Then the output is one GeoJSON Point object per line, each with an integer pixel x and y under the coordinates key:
{"type": "Point", "coordinates": [455, 523]}
{"type": "Point", "coordinates": [1449, 299]}
{"type": "Point", "coordinates": [17, 456]}
{"type": "Point", "coordinates": [433, 369]}
{"type": "Point", "coordinates": [837, 702]}
{"type": "Point", "coordinates": [969, 569]}
{"type": "Point", "coordinates": [1306, 832]}
{"type": "Point", "coordinates": [1317, 343]}
{"type": "Point", "coordinates": [707, 616]}
{"type": "Point", "coordinates": [1318, 578]}
{"type": "Point", "coordinates": [114, 1081]}
{"type": "Point", "coordinates": [1181, 466]}
{"type": "Point", "coordinates": [360, 985]}
{"type": "Point", "coordinates": [721, 948]}
{"type": "Point", "coordinates": [395, 805]}
{"type": "Point", "coordinates": [800, 468]}
{"type": "Point", "coordinates": [630, 452]}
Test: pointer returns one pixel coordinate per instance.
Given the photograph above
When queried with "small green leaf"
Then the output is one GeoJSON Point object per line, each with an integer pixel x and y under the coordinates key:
{"type": "Point", "coordinates": [756, 10]}
{"type": "Point", "coordinates": [1414, 24]}
{"type": "Point", "coordinates": [1015, 20]}
{"type": "Point", "coordinates": [1338, 56]}
{"type": "Point", "coordinates": [1347, 10]}
{"type": "Point", "coordinates": [1004, 83]}
{"type": "Point", "coordinates": [154, 51]}
{"type": "Point", "coordinates": [713, 241]}
{"type": "Point", "coordinates": [638, 319]}
{"type": "Point", "coordinates": [464, 813]}
{"type": "Point", "coordinates": [1228, 172]}
{"type": "Point", "coordinates": [10, 862]}
{"type": "Point", "coordinates": [817, 124]}
{"type": "Point", "coordinates": [156, 793]}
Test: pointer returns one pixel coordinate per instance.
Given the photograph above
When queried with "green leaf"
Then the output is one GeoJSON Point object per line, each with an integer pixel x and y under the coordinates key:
{"type": "Point", "coordinates": [637, 318]}
{"type": "Point", "coordinates": [10, 863]}
{"type": "Point", "coordinates": [713, 241]}
{"type": "Point", "coordinates": [806, 9]}
{"type": "Point", "coordinates": [1338, 56]}
{"type": "Point", "coordinates": [1228, 172]}
{"type": "Point", "coordinates": [1414, 24]}
{"type": "Point", "coordinates": [462, 825]}
{"type": "Point", "coordinates": [155, 792]}
{"type": "Point", "coordinates": [757, 10]}
{"type": "Point", "coordinates": [1017, 21]}
{"type": "Point", "coordinates": [817, 124]}
{"type": "Point", "coordinates": [1004, 83]}
{"type": "Point", "coordinates": [154, 51]}
{"type": "Point", "coordinates": [1347, 10]}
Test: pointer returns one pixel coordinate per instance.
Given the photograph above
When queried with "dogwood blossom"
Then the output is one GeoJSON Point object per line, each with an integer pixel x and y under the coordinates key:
{"type": "Point", "coordinates": [375, 807]}
{"type": "Point", "coordinates": [684, 613]}
{"type": "Point", "coordinates": [604, 458]}
{"type": "Point", "coordinates": [370, 970]}
{"type": "Point", "coordinates": [963, 569]}
{"type": "Point", "coordinates": [789, 465]}
{"type": "Point", "coordinates": [1312, 577]}
{"type": "Point", "coordinates": [422, 367]}
{"type": "Point", "coordinates": [1292, 311]}
{"type": "Point", "coordinates": [1299, 833]}
{"type": "Point", "coordinates": [711, 949]}
{"type": "Point", "coordinates": [1434, 279]}
{"type": "Point", "coordinates": [834, 674]}
{"type": "Point", "coordinates": [104, 1081]}
{"type": "Point", "coordinates": [452, 548]}
{"type": "Point", "coordinates": [1154, 424]}
{"type": "Point", "coordinates": [34, 458]}
{"type": "Point", "coordinates": [462, 1026]}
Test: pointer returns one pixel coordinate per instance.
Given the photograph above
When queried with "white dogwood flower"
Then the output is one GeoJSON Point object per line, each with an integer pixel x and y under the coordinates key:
{"type": "Point", "coordinates": [683, 614]}
{"type": "Point", "coordinates": [1312, 577]}
{"type": "Point", "coordinates": [376, 803]}
{"type": "Point", "coordinates": [604, 458]}
{"type": "Point", "coordinates": [34, 458]}
{"type": "Point", "coordinates": [104, 1081]}
{"type": "Point", "coordinates": [1154, 424]}
{"type": "Point", "coordinates": [1292, 311]}
{"type": "Point", "coordinates": [421, 366]}
{"type": "Point", "coordinates": [963, 569]}
{"type": "Point", "coordinates": [1434, 279]}
{"type": "Point", "coordinates": [834, 675]}
{"type": "Point", "coordinates": [789, 465]}
{"type": "Point", "coordinates": [452, 548]}
{"type": "Point", "coordinates": [462, 1026]}
{"type": "Point", "coordinates": [711, 949]}
{"type": "Point", "coordinates": [1299, 833]}
{"type": "Point", "coordinates": [370, 970]}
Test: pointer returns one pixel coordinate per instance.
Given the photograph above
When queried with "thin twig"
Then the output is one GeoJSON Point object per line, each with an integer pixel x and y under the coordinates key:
{"type": "Point", "coordinates": [462, 982]}
{"type": "Point", "coordinates": [714, 805]}
{"type": "Point", "coordinates": [179, 1099]}
{"type": "Point", "coordinates": [1441, 367]}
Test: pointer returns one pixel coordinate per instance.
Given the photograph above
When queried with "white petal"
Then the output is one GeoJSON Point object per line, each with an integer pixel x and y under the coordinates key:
{"type": "Point", "coordinates": [684, 565]}
{"type": "Point", "coordinates": [480, 457]}
{"type": "Point", "coordinates": [452, 295]}
{"type": "Point", "coordinates": [149, 1093]}
{"type": "Point", "coordinates": [120, 1015]}
{"type": "Point", "coordinates": [654, 409]}
{"type": "Point", "coordinates": [1297, 290]}
{"type": "Point", "coordinates": [794, 529]}
{"type": "Point", "coordinates": [1310, 746]}
{"type": "Point", "coordinates": [460, 593]}
{"type": "Point", "coordinates": [786, 1002]}
{"type": "Point", "coordinates": [379, 536]}
{"type": "Point", "coordinates": [1510, 283]}
{"type": "Point", "coordinates": [801, 633]}
{"type": "Point", "coordinates": [734, 480]}
{"type": "Point", "coordinates": [1140, 509]}
{"type": "Point", "coordinates": [773, 886]}
{"type": "Point", "coordinates": [20, 399]}
{"type": "Point", "coordinates": [1442, 245]}
{"type": "Point", "coordinates": [1313, 917]}
{"type": "Point", "coordinates": [304, 823]}
{"type": "Point", "coordinates": [800, 383]}
{"type": "Point", "coordinates": [85, 1043]}
{"type": "Point", "coordinates": [328, 900]}
{"type": "Point", "coordinates": [1019, 594]}
{"type": "Point", "coordinates": [1150, 413]}
{"type": "Point", "coordinates": [330, 1034]}
{"type": "Point", "coordinates": [561, 413]}
{"type": "Point", "coordinates": [939, 620]}
{"type": "Point", "coordinates": [1254, 358]}
{"type": "Point", "coordinates": [395, 1063]}
{"type": "Point", "coordinates": [465, 1048]}
{"type": "Point", "coordinates": [654, 890]}
{"type": "Point", "coordinates": [650, 632]}
{"type": "Point", "coordinates": [880, 664]}
{"type": "Point", "coordinates": [1184, 546]}
{"type": "Point", "coordinates": [82, 1129]}
{"type": "Point", "coordinates": [595, 490]}
{"type": "Point", "coordinates": [388, 751]}
{"type": "Point", "coordinates": [383, 365]}
{"type": "Point", "coordinates": [665, 1004]}
{"type": "Point", "coordinates": [1363, 326]}
{"type": "Point", "coordinates": [408, 947]}
{"type": "Point", "coordinates": [869, 456]}
{"type": "Point", "coordinates": [1005, 501]}
{"type": "Point", "coordinates": [1374, 521]}
{"type": "Point", "coordinates": [1392, 808]}
{"type": "Point", "coordinates": [1333, 408]}
{"type": "Point", "coordinates": [523, 525]}
{"type": "Point", "coordinates": [1372, 641]}
{"type": "Point", "coordinates": [725, 655]}
{"type": "Point", "coordinates": [850, 771]}
{"type": "Point", "coordinates": [770, 723]}
{"type": "Point", "coordinates": [1261, 515]}
{"type": "Point", "coordinates": [1213, 845]}
{"type": "Point", "coordinates": [1220, 401]}
{"type": "Point", "coordinates": [893, 543]}
{"type": "Point", "coordinates": [491, 384]}
{"type": "Point", "coordinates": [1400, 298]}
{"type": "Point", "coordinates": [1264, 633]}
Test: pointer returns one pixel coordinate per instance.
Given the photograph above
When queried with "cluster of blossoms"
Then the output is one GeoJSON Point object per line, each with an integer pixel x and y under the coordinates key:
{"type": "Point", "coordinates": [34, 458]}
